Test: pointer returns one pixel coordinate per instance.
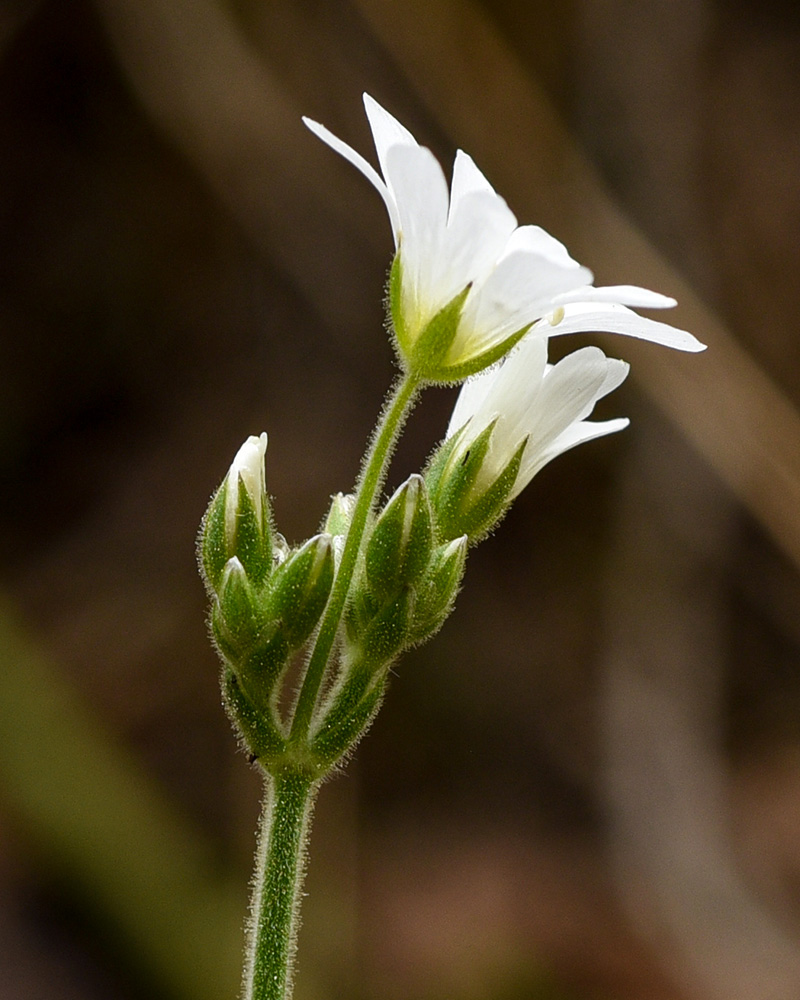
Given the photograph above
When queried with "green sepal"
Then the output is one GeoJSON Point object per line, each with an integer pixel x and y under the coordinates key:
{"type": "Point", "coordinates": [457, 510]}
{"type": "Point", "coordinates": [251, 536]}
{"type": "Point", "coordinates": [396, 307]}
{"type": "Point", "coordinates": [262, 667]}
{"type": "Point", "coordinates": [213, 544]}
{"type": "Point", "coordinates": [224, 644]}
{"type": "Point", "coordinates": [238, 611]}
{"type": "Point", "coordinates": [387, 633]}
{"type": "Point", "coordinates": [347, 695]}
{"type": "Point", "coordinates": [437, 465]}
{"type": "Point", "coordinates": [300, 589]}
{"type": "Point", "coordinates": [359, 612]}
{"type": "Point", "coordinates": [437, 594]}
{"type": "Point", "coordinates": [258, 730]}
{"type": "Point", "coordinates": [457, 371]}
{"type": "Point", "coordinates": [340, 732]}
{"type": "Point", "coordinates": [430, 354]}
{"type": "Point", "coordinates": [430, 347]}
{"type": "Point", "coordinates": [484, 513]}
{"type": "Point", "coordinates": [399, 547]}
{"type": "Point", "coordinates": [451, 480]}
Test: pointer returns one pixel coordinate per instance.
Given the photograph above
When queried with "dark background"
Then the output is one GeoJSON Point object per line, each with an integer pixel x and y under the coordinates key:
{"type": "Point", "coordinates": [588, 786]}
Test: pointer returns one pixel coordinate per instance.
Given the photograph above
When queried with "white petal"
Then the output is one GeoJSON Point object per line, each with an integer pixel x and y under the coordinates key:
{"type": "Point", "coordinates": [585, 430]}
{"type": "Point", "coordinates": [467, 179]}
{"type": "Point", "coordinates": [476, 234]}
{"type": "Point", "coordinates": [479, 223]}
{"type": "Point", "coordinates": [421, 194]}
{"type": "Point", "coordinates": [628, 295]}
{"type": "Point", "coordinates": [611, 317]}
{"type": "Point", "coordinates": [519, 291]}
{"type": "Point", "coordinates": [517, 385]}
{"type": "Point", "coordinates": [359, 163]}
{"type": "Point", "coordinates": [515, 395]}
{"type": "Point", "coordinates": [470, 402]}
{"type": "Point", "coordinates": [249, 464]}
{"type": "Point", "coordinates": [616, 373]}
{"type": "Point", "coordinates": [569, 392]}
{"type": "Point", "coordinates": [534, 239]}
{"type": "Point", "coordinates": [386, 131]}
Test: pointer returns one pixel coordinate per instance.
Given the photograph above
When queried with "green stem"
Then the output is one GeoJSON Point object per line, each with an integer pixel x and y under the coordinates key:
{"type": "Point", "coordinates": [373, 474]}
{"type": "Point", "coordinates": [280, 868]}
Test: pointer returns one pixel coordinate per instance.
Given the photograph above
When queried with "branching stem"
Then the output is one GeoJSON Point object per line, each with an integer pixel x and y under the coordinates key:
{"type": "Point", "coordinates": [291, 792]}
{"type": "Point", "coordinates": [373, 474]}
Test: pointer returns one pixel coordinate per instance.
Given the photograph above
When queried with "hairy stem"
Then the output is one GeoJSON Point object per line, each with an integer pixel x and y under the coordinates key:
{"type": "Point", "coordinates": [280, 868]}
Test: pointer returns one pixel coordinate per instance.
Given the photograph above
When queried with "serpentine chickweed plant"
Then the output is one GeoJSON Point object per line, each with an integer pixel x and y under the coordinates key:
{"type": "Point", "coordinates": [473, 298]}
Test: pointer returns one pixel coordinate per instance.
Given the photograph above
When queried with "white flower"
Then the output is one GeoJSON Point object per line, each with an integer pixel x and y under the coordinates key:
{"type": "Point", "coordinates": [249, 464]}
{"type": "Point", "coordinates": [467, 243]}
{"type": "Point", "coordinates": [530, 401]}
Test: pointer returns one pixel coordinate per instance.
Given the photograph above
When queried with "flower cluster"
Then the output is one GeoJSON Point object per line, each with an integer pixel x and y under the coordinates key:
{"type": "Point", "coordinates": [266, 598]}
{"type": "Point", "coordinates": [473, 298]}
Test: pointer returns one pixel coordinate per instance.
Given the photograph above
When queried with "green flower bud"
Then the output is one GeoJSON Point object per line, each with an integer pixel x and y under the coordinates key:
{"type": "Point", "coordinates": [437, 593]}
{"type": "Point", "coordinates": [239, 619]}
{"type": "Point", "coordinates": [300, 589]}
{"type": "Point", "coordinates": [399, 546]}
{"type": "Point", "coordinates": [340, 514]}
{"type": "Point", "coordinates": [337, 523]}
{"type": "Point", "coordinates": [251, 646]}
{"type": "Point", "coordinates": [261, 668]}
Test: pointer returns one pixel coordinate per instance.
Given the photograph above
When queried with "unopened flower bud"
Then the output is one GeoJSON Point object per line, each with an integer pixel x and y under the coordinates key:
{"type": "Point", "coordinates": [237, 522]}
{"type": "Point", "coordinates": [301, 588]}
{"type": "Point", "coordinates": [237, 605]}
{"type": "Point", "coordinates": [399, 547]}
{"type": "Point", "coordinates": [438, 590]}
{"type": "Point", "coordinates": [248, 473]}
{"type": "Point", "coordinates": [337, 523]}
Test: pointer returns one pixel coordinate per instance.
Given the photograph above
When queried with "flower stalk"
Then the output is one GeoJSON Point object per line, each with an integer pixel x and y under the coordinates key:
{"type": "Point", "coordinates": [278, 879]}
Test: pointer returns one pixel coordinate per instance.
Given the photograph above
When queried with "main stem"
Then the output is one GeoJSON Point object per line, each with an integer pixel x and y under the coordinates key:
{"type": "Point", "coordinates": [280, 868]}
{"type": "Point", "coordinates": [373, 474]}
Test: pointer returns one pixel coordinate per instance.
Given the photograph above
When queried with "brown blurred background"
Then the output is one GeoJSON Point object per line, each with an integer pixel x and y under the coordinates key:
{"type": "Point", "coordinates": [588, 786]}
